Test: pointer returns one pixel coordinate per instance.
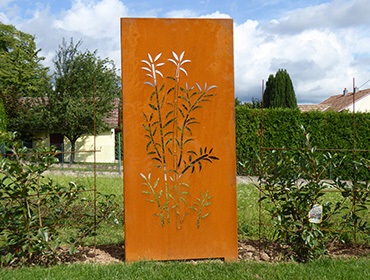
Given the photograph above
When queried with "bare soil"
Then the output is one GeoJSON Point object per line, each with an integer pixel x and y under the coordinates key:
{"type": "Point", "coordinates": [247, 250]}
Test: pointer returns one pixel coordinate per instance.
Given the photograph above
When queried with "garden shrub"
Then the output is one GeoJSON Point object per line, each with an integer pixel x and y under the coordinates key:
{"type": "Point", "coordinates": [294, 182]}
{"type": "Point", "coordinates": [33, 209]}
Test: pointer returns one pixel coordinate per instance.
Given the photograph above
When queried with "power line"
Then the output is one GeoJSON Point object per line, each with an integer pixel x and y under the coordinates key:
{"type": "Point", "coordinates": [363, 84]}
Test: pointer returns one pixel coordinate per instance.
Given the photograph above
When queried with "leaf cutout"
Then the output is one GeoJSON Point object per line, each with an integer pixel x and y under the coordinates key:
{"type": "Point", "coordinates": [157, 57]}
{"type": "Point", "coordinates": [159, 73]}
{"type": "Point", "coordinates": [153, 107]}
{"type": "Point", "coordinates": [182, 55]}
{"type": "Point", "coordinates": [169, 122]}
{"type": "Point", "coordinates": [150, 58]}
{"type": "Point", "coordinates": [205, 215]}
{"type": "Point", "coordinates": [214, 157]}
{"type": "Point", "coordinates": [183, 70]}
{"type": "Point", "coordinates": [188, 140]}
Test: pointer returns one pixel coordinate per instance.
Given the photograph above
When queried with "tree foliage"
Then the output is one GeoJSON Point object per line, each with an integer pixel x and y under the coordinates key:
{"type": "Point", "coordinates": [21, 76]}
{"type": "Point", "coordinates": [85, 89]}
{"type": "Point", "coordinates": [254, 104]}
{"type": "Point", "coordinates": [279, 92]}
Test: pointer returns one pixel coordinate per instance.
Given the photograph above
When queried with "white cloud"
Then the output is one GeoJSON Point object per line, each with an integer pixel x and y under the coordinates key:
{"type": "Point", "coordinates": [8, 11]}
{"type": "Point", "coordinates": [186, 13]}
{"type": "Point", "coordinates": [5, 3]}
{"type": "Point", "coordinates": [93, 19]}
{"type": "Point", "coordinates": [320, 59]}
{"type": "Point", "coordinates": [95, 23]}
{"type": "Point", "coordinates": [216, 14]}
{"type": "Point", "coordinates": [319, 62]}
{"type": "Point", "coordinates": [334, 14]}
{"type": "Point", "coordinates": [3, 18]}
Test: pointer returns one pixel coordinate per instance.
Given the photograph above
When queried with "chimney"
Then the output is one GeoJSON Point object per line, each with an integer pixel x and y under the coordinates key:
{"type": "Point", "coordinates": [345, 91]}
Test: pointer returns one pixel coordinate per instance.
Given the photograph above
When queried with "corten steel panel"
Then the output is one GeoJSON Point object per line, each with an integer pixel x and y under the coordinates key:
{"type": "Point", "coordinates": [179, 139]}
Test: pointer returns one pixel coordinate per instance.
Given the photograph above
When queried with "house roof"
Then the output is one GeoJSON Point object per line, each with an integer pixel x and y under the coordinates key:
{"type": "Point", "coordinates": [342, 101]}
{"type": "Point", "coordinates": [114, 119]}
{"type": "Point", "coordinates": [313, 107]}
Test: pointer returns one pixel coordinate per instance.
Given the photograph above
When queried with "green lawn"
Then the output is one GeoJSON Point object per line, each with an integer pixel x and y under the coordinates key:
{"type": "Point", "coordinates": [321, 269]}
{"type": "Point", "coordinates": [107, 233]}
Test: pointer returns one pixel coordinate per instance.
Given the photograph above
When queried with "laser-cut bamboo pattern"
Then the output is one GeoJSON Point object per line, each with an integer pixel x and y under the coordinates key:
{"type": "Point", "coordinates": [168, 129]}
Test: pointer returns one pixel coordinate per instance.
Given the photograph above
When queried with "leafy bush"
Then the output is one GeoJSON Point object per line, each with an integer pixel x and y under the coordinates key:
{"type": "Point", "coordinates": [356, 192]}
{"type": "Point", "coordinates": [33, 208]}
{"type": "Point", "coordinates": [293, 182]}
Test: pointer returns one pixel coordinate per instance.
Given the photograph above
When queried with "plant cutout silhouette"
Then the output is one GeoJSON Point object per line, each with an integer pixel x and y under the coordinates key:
{"type": "Point", "coordinates": [168, 126]}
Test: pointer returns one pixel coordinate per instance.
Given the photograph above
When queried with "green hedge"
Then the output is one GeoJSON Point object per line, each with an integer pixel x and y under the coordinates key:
{"type": "Point", "coordinates": [2, 117]}
{"type": "Point", "coordinates": [2, 126]}
{"type": "Point", "coordinates": [336, 133]}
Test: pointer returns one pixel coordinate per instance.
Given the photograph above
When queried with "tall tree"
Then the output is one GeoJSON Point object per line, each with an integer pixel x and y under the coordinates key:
{"type": "Point", "coordinates": [85, 89]}
{"type": "Point", "coordinates": [279, 92]}
{"type": "Point", "coordinates": [21, 76]}
{"type": "Point", "coordinates": [269, 91]}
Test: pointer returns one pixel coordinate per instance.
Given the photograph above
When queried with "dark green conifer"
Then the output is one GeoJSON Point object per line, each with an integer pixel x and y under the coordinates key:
{"type": "Point", "coordinates": [279, 92]}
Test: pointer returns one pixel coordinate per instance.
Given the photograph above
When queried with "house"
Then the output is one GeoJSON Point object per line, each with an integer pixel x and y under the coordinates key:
{"type": "Point", "coordinates": [347, 101]}
{"type": "Point", "coordinates": [312, 107]}
{"type": "Point", "coordinates": [359, 101]}
{"type": "Point", "coordinates": [105, 143]}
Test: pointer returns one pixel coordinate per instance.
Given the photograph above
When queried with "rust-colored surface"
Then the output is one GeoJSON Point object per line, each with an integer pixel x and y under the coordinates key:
{"type": "Point", "coordinates": [179, 139]}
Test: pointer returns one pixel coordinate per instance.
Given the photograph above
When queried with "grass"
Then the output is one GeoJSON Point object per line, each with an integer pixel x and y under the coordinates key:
{"type": "Point", "coordinates": [82, 166]}
{"type": "Point", "coordinates": [320, 269]}
{"type": "Point", "coordinates": [107, 233]}
{"type": "Point", "coordinates": [104, 184]}
{"type": "Point", "coordinates": [247, 197]}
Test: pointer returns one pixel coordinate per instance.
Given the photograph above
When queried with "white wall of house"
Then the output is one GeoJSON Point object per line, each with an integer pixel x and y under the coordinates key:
{"type": "Point", "coordinates": [41, 139]}
{"type": "Point", "coordinates": [361, 105]}
{"type": "Point", "coordinates": [105, 148]}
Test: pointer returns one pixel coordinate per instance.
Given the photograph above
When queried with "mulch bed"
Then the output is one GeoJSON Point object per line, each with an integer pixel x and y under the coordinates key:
{"type": "Point", "coordinates": [247, 250]}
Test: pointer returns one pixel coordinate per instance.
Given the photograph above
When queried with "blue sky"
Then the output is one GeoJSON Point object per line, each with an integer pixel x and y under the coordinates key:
{"type": "Point", "coordinates": [322, 44]}
{"type": "Point", "coordinates": [239, 10]}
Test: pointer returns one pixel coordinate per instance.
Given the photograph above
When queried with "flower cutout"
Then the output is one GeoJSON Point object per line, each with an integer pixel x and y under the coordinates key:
{"type": "Point", "coordinates": [178, 61]}
{"type": "Point", "coordinates": [152, 68]}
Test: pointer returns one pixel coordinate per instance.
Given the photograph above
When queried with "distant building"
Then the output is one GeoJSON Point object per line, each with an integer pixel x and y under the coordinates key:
{"type": "Point", "coordinates": [358, 101]}
{"type": "Point", "coordinates": [105, 142]}
{"type": "Point", "coordinates": [312, 107]}
{"type": "Point", "coordinates": [347, 101]}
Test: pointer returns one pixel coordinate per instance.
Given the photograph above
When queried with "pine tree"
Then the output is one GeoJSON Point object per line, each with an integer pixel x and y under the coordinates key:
{"type": "Point", "coordinates": [279, 92]}
{"type": "Point", "coordinates": [269, 91]}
